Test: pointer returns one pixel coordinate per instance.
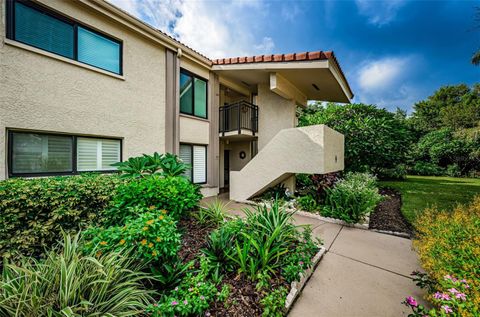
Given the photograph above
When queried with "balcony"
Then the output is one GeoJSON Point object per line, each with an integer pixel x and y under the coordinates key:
{"type": "Point", "coordinates": [239, 120]}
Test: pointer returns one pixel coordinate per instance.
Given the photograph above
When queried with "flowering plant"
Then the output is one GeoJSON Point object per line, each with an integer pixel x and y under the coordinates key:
{"type": "Point", "coordinates": [151, 236]}
{"type": "Point", "coordinates": [450, 299]}
{"type": "Point", "coordinates": [191, 298]}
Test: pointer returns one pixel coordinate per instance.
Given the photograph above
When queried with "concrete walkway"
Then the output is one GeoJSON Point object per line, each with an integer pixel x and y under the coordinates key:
{"type": "Point", "coordinates": [363, 273]}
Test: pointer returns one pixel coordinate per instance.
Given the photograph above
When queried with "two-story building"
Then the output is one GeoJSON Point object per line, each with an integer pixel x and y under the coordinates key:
{"type": "Point", "coordinates": [83, 84]}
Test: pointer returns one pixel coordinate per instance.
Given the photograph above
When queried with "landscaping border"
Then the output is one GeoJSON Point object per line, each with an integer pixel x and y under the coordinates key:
{"type": "Point", "coordinates": [297, 287]}
{"type": "Point", "coordinates": [363, 226]}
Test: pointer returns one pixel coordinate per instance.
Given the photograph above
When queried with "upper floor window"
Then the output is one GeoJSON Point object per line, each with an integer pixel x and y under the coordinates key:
{"type": "Point", "coordinates": [193, 95]}
{"type": "Point", "coordinates": [34, 25]}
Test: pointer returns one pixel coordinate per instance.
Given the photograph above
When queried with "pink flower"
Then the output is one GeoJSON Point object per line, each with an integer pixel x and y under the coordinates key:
{"type": "Point", "coordinates": [447, 309]}
{"type": "Point", "coordinates": [202, 297]}
{"type": "Point", "coordinates": [411, 301]}
{"type": "Point", "coordinates": [464, 281]}
{"type": "Point", "coordinates": [467, 286]}
{"type": "Point", "coordinates": [437, 295]}
{"type": "Point", "coordinates": [207, 314]}
{"type": "Point", "coordinates": [176, 289]}
{"type": "Point", "coordinates": [174, 303]}
{"type": "Point", "coordinates": [447, 277]}
{"type": "Point", "coordinates": [445, 296]}
{"type": "Point", "coordinates": [454, 279]}
{"type": "Point", "coordinates": [185, 302]}
{"type": "Point", "coordinates": [461, 296]}
{"type": "Point", "coordinates": [156, 305]}
{"type": "Point", "coordinates": [190, 289]}
{"type": "Point", "coordinates": [301, 262]}
{"type": "Point", "coordinates": [453, 290]}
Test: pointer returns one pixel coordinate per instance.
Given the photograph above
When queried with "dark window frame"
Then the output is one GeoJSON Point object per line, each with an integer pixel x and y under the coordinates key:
{"type": "Point", "coordinates": [10, 7]}
{"type": "Point", "coordinates": [191, 145]}
{"type": "Point", "coordinates": [189, 73]}
{"type": "Point", "coordinates": [74, 137]}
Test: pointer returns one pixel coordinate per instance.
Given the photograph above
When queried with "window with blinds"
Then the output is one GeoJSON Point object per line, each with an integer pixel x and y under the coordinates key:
{"type": "Point", "coordinates": [97, 154]}
{"type": "Point", "coordinates": [196, 157]}
{"type": "Point", "coordinates": [35, 25]}
{"type": "Point", "coordinates": [43, 154]}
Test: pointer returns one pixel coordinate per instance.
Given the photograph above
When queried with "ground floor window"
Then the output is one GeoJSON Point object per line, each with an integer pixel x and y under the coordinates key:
{"type": "Point", "coordinates": [196, 157]}
{"type": "Point", "coordinates": [35, 153]}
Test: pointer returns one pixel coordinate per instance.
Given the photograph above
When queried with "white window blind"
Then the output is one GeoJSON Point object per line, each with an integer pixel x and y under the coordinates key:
{"type": "Point", "coordinates": [97, 154]}
{"type": "Point", "coordinates": [186, 157]}
{"type": "Point", "coordinates": [199, 164]}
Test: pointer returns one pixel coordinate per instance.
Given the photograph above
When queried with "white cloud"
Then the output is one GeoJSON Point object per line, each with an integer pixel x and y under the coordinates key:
{"type": "Point", "coordinates": [290, 11]}
{"type": "Point", "coordinates": [216, 29]}
{"type": "Point", "coordinates": [385, 82]}
{"type": "Point", "coordinates": [379, 13]}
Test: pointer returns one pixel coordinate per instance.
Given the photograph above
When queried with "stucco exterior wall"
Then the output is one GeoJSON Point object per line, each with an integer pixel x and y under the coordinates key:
{"type": "Point", "coordinates": [193, 130]}
{"type": "Point", "coordinates": [44, 93]}
{"type": "Point", "coordinates": [274, 114]}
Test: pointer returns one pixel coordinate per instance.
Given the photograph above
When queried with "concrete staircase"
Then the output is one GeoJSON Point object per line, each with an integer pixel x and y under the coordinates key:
{"type": "Point", "coordinates": [313, 150]}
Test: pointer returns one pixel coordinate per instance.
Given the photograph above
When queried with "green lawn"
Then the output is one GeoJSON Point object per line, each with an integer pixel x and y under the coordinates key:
{"type": "Point", "coordinates": [420, 192]}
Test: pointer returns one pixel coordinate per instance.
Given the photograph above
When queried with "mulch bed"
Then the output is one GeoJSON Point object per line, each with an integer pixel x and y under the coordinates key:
{"type": "Point", "coordinates": [243, 300]}
{"type": "Point", "coordinates": [388, 215]}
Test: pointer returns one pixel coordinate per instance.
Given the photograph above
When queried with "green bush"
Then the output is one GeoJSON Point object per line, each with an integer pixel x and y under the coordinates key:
{"type": "Point", "coordinates": [214, 214]}
{"type": "Point", "coordinates": [396, 173]}
{"type": "Point", "coordinates": [352, 198]}
{"type": "Point", "coordinates": [427, 169]}
{"type": "Point", "coordinates": [68, 283]}
{"type": "Point", "coordinates": [453, 170]}
{"type": "Point", "coordinates": [274, 303]}
{"type": "Point", "coordinates": [191, 298]}
{"type": "Point", "coordinates": [177, 195]}
{"type": "Point", "coordinates": [152, 235]}
{"type": "Point", "coordinates": [448, 245]}
{"type": "Point", "coordinates": [307, 203]}
{"type": "Point", "coordinates": [375, 139]}
{"type": "Point", "coordinates": [34, 211]}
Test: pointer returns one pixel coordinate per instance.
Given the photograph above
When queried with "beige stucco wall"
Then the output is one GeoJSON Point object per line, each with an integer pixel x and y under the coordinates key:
{"type": "Point", "coordinates": [274, 114]}
{"type": "Point", "coordinates": [193, 130]}
{"type": "Point", "coordinates": [45, 93]}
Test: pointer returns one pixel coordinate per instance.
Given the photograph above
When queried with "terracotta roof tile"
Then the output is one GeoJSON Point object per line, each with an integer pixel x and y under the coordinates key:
{"type": "Point", "coordinates": [292, 57]}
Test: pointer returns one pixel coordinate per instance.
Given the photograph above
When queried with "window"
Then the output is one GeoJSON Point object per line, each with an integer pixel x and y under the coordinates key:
{"type": "Point", "coordinates": [34, 25]}
{"type": "Point", "coordinates": [33, 154]}
{"type": "Point", "coordinates": [193, 95]}
{"type": "Point", "coordinates": [196, 157]}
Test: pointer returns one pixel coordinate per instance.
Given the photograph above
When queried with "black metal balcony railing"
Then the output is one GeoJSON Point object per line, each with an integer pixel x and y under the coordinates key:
{"type": "Point", "coordinates": [238, 116]}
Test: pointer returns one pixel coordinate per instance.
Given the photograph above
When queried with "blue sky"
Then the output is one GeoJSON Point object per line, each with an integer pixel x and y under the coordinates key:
{"type": "Point", "coordinates": [393, 53]}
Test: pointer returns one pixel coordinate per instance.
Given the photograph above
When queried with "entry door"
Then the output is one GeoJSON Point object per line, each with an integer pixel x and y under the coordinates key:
{"type": "Point", "coordinates": [226, 168]}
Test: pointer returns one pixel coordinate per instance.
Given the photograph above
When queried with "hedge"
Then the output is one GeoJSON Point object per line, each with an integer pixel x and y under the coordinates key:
{"type": "Point", "coordinates": [33, 212]}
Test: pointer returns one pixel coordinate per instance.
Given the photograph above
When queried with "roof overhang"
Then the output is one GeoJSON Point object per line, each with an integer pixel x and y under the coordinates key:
{"type": "Point", "coordinates": [314, 80]}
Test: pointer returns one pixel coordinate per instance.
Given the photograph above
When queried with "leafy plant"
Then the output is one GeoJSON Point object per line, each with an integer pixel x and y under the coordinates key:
{"type": "Point", "coordinates": [352, 198]}
{"type": "Point", "coordinates": [134, 167]}
{"type": "Point", "coordinates": [448, 245]}
{"type": "Point", "coordinates": [170, 273]}
{"type": "Point", "coordinates": [191, 298]}
{"type": "Point", "coordinates": [168, 165]}
{"type": "Point", "coordinates": [279, 191]}
{"type": "Point", "coordinates": [171, 165]}
{"type": "Point", "coordinates": [307, 203]}
{"type": "Point", "coordinates": [33, 212]}
{"type": "Point", "coordinates": [152, 235]}
{"type": "Point", "coordinates": [214, 214]}
{"type": "Point", "coordinates": [68, 283]}
{"type": "Point", "coordinates": [427, 169]}
{"type": "Point", "coordinates": [274, 303]}
{"type": "Point", "coordinates": [177, 195]}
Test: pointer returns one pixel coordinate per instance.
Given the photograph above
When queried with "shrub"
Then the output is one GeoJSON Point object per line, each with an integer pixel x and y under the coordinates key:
{"type": "Point", "coordinates": [307, 203]}
{"type": "Point", "coordinates": [69, 283]}
{"type": "Point", "coordinates": [374, 138]}
{"type": "Point", "coordinates": [152, 235]}
{"type": "Point", "coordinates": [397, 172]}
{"type": "Point", "coordinates": [352, 198]}
{"type": "Point", "coordinates": [453, 170]}
{"type": "Point", "coordinates": [167, 165]}
{"type": "Point", "coordinates": [34, 211]}
{"type": "Point", "coordinates": [191, 298]}
{"type": "Point", "coordinates": [427, 169]}
{"type": "Point", "coordinates": [448, 243]}
{"type": "Point", "coordinates": [274, 303]}
{"type": "Point", "coordinates": [213, 214]}
{"type": "Point", "coordinates": [177, 195]}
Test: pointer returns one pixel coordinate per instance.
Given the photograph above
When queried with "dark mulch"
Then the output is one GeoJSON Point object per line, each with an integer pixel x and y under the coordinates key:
{"type": "Point", "coordinates": [194, 237]}
{"type": "Point", "coordinates": [244, 299]}
{"type": "Point", "coordinates": [388, 215]}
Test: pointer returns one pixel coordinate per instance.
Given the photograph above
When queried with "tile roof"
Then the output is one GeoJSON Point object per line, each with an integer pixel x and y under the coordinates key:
{"type": "Point", "coordinates": [292, 57]}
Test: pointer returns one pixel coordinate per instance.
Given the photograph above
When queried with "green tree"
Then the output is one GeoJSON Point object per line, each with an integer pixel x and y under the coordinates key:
{"type": "Point", "coordinates": [375, 139]}
{"type": "Point", "coordinates": [454, 107]}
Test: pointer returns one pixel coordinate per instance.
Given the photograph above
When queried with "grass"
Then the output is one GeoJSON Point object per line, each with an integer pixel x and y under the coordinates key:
{"type": "Point", "coordinates": [420, 192]}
